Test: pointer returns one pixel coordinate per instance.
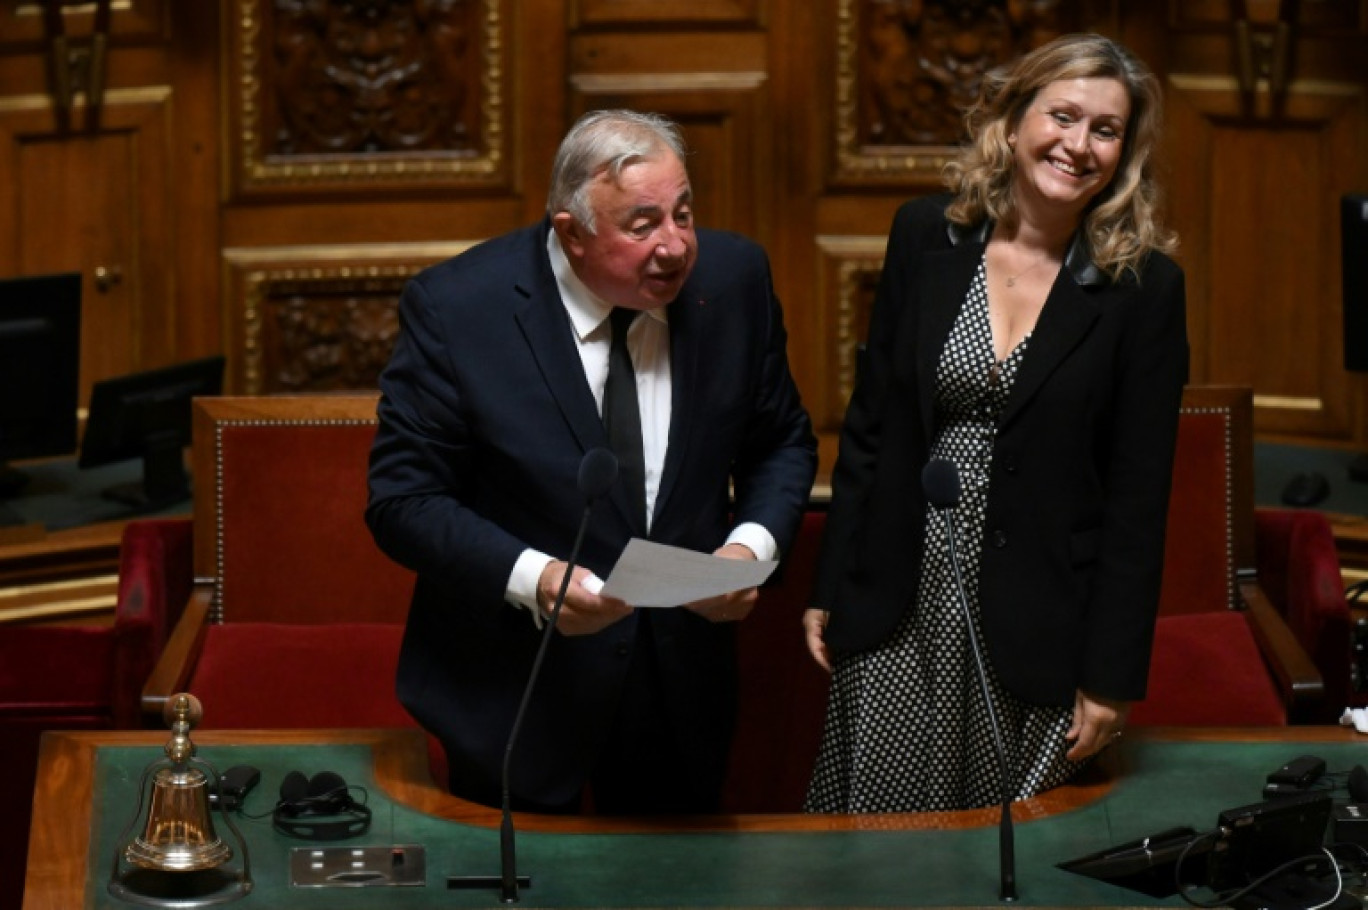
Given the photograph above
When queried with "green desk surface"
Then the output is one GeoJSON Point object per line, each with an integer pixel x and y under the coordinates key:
{"type": "Point", "coordinates": [1160, 783]}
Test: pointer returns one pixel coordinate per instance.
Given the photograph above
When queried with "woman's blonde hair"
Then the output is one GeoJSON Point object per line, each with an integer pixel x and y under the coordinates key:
{"type": "Point", "coordinates": [1122, 224]}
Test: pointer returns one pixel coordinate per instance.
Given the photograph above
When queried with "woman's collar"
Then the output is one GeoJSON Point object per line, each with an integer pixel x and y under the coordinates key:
{"type": "Point", "coordinates": [1077, 260]}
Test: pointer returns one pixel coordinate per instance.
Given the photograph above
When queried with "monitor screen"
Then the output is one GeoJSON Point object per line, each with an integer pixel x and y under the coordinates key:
{"type": "Point", "coordinates": [40, 364]}
{"type": "Point", "coordinates": [1354, 256]}
{"type": "Point", "coordinates": [147, 415]}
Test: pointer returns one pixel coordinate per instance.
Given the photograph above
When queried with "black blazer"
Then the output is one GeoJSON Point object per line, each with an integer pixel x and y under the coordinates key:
{"type": "Point", "coordinates": [1078, 492]}
{"type": "Point", "coordinates": [485, 415]}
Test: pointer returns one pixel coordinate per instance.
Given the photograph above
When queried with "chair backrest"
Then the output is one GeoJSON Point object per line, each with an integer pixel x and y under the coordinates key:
{"type": "Point", "coordinates": [279, 502]}
{"type": "Point", "coordinates": [1210, 541]}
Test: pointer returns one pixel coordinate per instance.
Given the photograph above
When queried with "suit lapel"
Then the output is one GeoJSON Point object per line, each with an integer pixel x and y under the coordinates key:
{"type": "Point", "coordinates": [545, 326]}
{"type": "Point", "coordinates": [1067, 316]}
{"type": "Point", "coordinates": [944, 284]}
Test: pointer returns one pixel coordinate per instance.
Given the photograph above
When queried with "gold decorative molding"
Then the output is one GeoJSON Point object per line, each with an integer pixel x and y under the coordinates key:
{"type": "Point", "coordinates": [318, 318]}
{"type": "Point", "coordinates": [601, 84]}
{"type": "Point", "coordinates": [1288, 403]}
{"type": "Point", "coordinates": [904, 78]}
{"type": "Point", "coordinates": [257, 170]}
{"type": "Point", "coordinates": [847, 266]}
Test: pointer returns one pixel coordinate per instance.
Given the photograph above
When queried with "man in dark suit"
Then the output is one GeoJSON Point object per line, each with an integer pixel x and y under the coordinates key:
{"type": "Point", "coordinates": [491, 400]}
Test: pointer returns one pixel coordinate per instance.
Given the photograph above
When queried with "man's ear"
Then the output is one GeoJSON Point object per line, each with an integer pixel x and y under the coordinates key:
{"type": "Point", "coordinates": [570, 232]}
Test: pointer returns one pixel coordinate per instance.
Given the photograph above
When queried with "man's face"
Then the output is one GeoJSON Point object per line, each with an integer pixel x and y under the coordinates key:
{"type": "Point", "coordinates": [644, 246]}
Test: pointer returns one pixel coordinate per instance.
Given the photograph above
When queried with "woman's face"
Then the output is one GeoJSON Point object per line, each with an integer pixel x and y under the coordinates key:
{"type": "Point", "coordinates": [1068, 143]}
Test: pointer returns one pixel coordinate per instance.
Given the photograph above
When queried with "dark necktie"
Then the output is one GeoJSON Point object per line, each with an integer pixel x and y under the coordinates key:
{"type": "Point", "coordinates": [622, 415]}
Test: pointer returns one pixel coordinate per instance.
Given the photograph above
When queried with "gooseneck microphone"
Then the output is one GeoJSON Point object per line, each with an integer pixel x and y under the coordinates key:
{"type": "Point", "coordinates": [597, 471]}
{"type": "Point", "coordinates": [941, 484]}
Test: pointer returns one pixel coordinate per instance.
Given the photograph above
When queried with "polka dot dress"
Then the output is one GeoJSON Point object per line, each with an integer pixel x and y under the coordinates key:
{"type": "Point", "coordinates": [907, 729]}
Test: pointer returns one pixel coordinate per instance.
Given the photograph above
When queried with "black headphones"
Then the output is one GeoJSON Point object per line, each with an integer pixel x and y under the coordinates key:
{"type": "Point", "coordinates": [319, 808]}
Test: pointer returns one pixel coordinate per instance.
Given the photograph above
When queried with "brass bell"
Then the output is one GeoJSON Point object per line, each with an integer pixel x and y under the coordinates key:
{"type": "Point", "coordinates": [177, 859]}
{"type": "Point", "coordinates": [179, 835]}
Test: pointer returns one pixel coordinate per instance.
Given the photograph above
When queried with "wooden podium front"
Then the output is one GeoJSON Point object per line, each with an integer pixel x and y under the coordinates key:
{"type": "Point", "coordinates": [87, 790]}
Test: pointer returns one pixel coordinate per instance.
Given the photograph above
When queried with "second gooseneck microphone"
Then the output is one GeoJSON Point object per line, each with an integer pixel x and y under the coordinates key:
{"type": "Point", "coordinates": [941, 484]}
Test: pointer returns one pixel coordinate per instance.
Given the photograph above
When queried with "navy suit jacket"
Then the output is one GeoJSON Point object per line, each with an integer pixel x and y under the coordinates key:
{"type": "Point", "coordinates": [485, 415]}
{"type": "Point", "coordinates": [1073, 546]}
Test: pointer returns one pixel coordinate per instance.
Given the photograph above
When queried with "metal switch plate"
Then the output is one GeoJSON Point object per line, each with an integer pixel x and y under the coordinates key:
{"type": "Point", "coordinates": [358, 867]}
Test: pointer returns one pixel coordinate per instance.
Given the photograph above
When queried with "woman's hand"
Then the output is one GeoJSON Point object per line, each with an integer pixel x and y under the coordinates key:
{"type": "Point", "coordinates": [1097, 723]}
{"type": "Point", "coordinates": [814, 625]}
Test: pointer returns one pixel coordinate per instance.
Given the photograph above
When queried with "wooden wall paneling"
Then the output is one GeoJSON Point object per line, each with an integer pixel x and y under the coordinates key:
{"type": "Point", "coordinates": [1256, 203]}
{"type": "Point", "coordinates": [338, 98]}
{"type": "Point", "coordinates": [723, 113]}
{"type": "Point", "coordinates": [848, 269]}
{"type": "Point", "coordinates": [97, 204]}
{"type": "Point", "coordinates": [194, 61]}
{"type": "Point", "coordinates": [634, 12]}
{"type": "Point", "coordinates": [304, 320]}
{"type": "Point", "coordinates": [22, 26]}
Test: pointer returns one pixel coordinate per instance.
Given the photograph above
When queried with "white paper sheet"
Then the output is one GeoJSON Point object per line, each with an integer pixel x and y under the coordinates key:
{"type": "Point", "coordinates": [655, 575]}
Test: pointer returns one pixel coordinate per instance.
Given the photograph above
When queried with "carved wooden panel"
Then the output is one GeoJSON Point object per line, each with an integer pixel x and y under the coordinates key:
{"type": "Point", "coordinates": [847, 274]}
{"type": "Point", "coordinates": [367, 94]}
{"type": "Point", "coordinates": [683, 12]}
{"type": "Point", "coordinates": [1332, 14]}
{"type": "Point", "coordinates": [309, 320]}
{"type": "Point", "coordinates": [906, 69]}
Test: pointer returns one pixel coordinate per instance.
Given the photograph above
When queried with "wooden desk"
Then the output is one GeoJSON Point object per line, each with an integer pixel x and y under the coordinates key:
{"type": "Point", "coordinates": [67, 571]}
{"type": "Point", "coordinates": [1160, 779]}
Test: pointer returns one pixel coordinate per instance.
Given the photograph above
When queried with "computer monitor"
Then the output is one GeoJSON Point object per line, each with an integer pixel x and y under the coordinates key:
{"type": "Point", "coordinates": [40, 364]}
{"type": "Point", "coordinates": [147, 415]}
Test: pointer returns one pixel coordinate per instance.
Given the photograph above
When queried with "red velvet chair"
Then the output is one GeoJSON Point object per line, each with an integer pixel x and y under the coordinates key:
{"type": "Point", "coordinates": [86, 677]}
{"type": "Point", "coordinates": [1299, 570]}
{"type": "Point", "coordinates": [1224, 651]}
{"type": "Point", "coordinates": [295, 618]}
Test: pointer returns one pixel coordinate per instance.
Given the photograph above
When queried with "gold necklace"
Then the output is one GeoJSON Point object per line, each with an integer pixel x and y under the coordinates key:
{"type": "Point", "coordinates": [1012, 279]}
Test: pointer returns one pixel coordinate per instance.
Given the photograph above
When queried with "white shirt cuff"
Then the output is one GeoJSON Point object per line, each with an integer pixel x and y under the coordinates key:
{"type": "Point", "coordinates": [522, 582]}
{"type": "Point", "coordinates": [754, 536]}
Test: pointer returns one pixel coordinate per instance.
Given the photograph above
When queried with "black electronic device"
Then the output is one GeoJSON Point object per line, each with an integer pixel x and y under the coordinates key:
{"type": "Point", "coordinates": [1305, 489]}
{"type": "Point", "coordinates": [1302, 771]}
{"type": "Point", "coordinates": [1258, 838]}
{"type": "Point", "coordinates": [233, 787]}
{"type": "Point", "coordinates": [1354, 260]}
{"type": "Point", "coordinates": [1153, 865]}
{"type": "Point", "coordinates": [1248, 842]}
{"type": "Point", "coordinates": [40, 364]}
{"type": "Point", "coordinates": [147, 415]}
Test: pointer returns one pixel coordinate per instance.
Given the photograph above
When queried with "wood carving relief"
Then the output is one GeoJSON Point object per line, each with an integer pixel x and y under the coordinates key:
{"type": "Point", "coordinates": [311, 320]}
{"type": "Point", "coordinates": [355, 91]}
{"type": "Point", "coordinates": [848, 274]}
{"type": "Point", "coordinates": [321, 335]}
{"type": "Point", "coordinates": [906, 69]}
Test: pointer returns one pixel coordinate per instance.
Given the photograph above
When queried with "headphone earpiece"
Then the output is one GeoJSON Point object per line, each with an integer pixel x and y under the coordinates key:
{"type": "Point", "coordinates": [324, 795]}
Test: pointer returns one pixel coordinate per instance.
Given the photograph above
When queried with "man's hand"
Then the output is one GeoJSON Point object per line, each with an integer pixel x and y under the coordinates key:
{"type": "Point", "coordinates": [582, 613]}
{"type": "Point", "coordinates": [732, 607]}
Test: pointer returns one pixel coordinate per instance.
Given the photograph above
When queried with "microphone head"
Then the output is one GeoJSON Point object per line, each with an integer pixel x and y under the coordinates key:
{"type": "Point", "coordinates": [597, 471]}
{"type": "Point", "coordinates": [941, 483]}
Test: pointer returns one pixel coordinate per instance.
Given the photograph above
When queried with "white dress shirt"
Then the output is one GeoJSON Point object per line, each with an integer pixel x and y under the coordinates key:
{"type": "Point", "coordinates": [648, 343]}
